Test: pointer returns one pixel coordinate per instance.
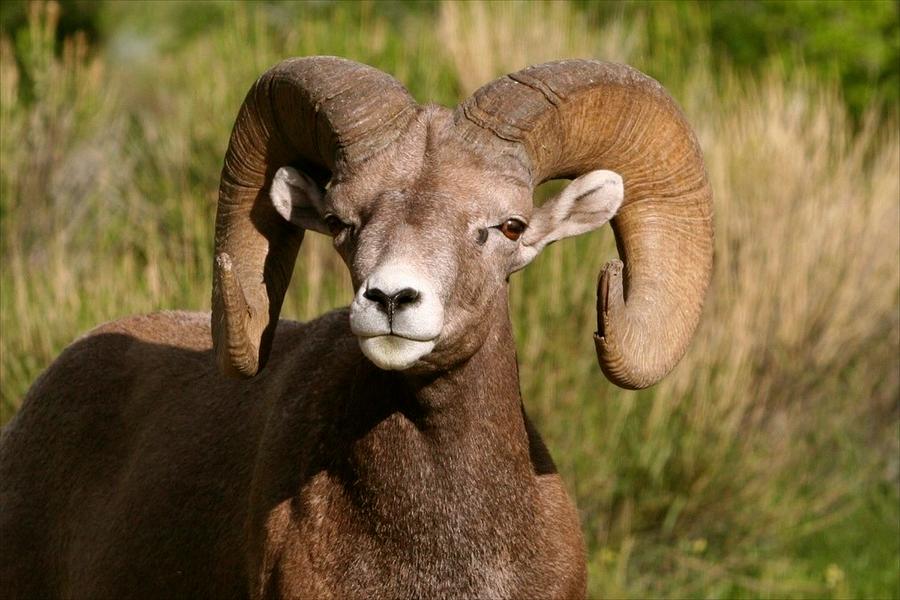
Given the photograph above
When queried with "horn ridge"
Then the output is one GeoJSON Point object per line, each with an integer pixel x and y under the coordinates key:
{"type": "Point", "coordinates": [324, 114]}
{"type": "Point", "coordinates": [573, 116]}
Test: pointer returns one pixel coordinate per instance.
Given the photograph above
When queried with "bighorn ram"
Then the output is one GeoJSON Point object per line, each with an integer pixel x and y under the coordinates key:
{"type": "Point", "coordinates": [381, 450]}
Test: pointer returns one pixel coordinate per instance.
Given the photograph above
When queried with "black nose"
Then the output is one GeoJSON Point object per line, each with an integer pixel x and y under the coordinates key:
{"type": "Point", "coordinates": [390, 303]}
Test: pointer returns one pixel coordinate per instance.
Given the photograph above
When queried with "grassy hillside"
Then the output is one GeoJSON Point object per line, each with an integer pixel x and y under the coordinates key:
{"type": "Point", "coordinates": [767, 465]}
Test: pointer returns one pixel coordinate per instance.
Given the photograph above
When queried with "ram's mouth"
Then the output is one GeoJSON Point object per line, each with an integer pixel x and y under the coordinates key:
{"type": "Point", "coordinates": [393, 352]}
{"type": "Point", "coordinates": [394, 334]}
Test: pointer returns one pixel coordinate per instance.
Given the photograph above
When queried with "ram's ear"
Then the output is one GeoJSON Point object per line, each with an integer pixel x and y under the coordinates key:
{"type": "Point", "coordinates": [584, 205]}
{"type": "Point", "coordinates": [298, 199]}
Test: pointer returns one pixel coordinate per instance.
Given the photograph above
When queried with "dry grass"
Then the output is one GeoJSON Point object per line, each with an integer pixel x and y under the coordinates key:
{"type": "Point", "coordinates": [489, 39]}
{"type": "Point", "coordinates": [780, 419]}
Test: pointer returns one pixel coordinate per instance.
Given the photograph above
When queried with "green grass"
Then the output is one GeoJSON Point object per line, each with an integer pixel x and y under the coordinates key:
{"type": "Point", "coordinates": [857, 554]}
{"type": "Point", "coordinates": [766, 465]}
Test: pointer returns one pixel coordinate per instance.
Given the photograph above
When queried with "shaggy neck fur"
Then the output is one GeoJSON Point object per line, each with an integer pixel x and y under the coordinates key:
{"type": "Point", "coordinates": [457, 440]}
{"type": "Point", "coordinates": [433, 478]}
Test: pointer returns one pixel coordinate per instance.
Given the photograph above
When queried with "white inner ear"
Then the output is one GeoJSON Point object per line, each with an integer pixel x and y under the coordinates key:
{"type": "Point", "coordinates": [293, 193]}
{"type": "Point", "coordinates": [584, 205]}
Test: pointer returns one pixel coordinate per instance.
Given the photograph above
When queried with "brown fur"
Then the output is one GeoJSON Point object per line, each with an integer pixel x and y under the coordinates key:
{"type": "Point", "coordinates": [334, 480]}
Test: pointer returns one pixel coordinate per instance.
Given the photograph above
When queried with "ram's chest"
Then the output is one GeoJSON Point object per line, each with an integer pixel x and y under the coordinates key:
{"type": "Point", "coordinates": [327, 543]}
{"type": "Point", "coordinates": [403, 511]}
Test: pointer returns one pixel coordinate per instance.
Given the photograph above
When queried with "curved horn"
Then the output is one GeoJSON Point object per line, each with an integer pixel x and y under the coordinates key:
{"type": "Point", "coordinates": [323, 115]}
{"type": "Point", "coordinates": [566, 118]}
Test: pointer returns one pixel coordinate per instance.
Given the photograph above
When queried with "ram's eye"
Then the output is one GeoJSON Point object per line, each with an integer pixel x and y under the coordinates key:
{"type": "Point", "coordinates": [335, 225]}
{"type": "Point", "coordinates": [512, 228]}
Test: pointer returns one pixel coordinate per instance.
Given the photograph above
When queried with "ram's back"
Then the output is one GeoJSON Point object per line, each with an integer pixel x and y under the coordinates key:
{"type": "Point", "coordinates": [132, 457]}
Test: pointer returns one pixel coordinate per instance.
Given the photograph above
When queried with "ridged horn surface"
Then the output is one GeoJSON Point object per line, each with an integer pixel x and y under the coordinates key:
{"type": "Point", "coordinates": [566, 118]}
{"type": "Point", "coordinates": [322, 115]}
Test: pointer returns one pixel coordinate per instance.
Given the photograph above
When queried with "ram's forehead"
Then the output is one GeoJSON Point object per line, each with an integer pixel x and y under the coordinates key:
{"type": "Point", "coordinates": [465, 182]}
{"type": "Point", "coordinates": [452, 168]}
{"type": "Point", "coordinates": [433, 163]}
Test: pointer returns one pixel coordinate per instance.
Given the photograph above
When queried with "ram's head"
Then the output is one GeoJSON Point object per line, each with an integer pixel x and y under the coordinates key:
{"type": "Point", "coordinates": [432, 209]}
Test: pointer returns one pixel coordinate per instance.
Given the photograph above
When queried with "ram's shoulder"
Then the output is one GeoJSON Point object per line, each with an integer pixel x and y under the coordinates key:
{"type": "Point", "coordinates": [179, 329]}
{"type": "Point", "coordinates": [324, 335]}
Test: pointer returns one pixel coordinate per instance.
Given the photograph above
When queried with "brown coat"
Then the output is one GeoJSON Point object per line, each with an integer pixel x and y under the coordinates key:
{"type": "Point", "coordinates": [339, 481]}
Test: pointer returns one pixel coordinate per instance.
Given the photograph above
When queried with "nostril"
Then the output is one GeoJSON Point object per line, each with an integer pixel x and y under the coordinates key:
{"type": "Point", "coordinates": [405, 296]}
{"type": "Point", "coordinates": [393, 302]}
{"type": "Point", "coordinates": [379, 297]}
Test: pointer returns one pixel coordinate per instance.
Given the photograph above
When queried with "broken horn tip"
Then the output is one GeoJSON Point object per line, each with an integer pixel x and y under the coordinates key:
{"type": "Point", "coordinates": [223, 261]}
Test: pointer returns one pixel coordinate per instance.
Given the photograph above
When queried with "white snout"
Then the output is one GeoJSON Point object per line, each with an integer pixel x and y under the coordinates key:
{"type": "Point", "coordinates": [394, 335]}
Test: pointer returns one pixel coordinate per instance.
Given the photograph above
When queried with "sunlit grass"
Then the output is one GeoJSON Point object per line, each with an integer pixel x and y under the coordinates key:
{"type": "Point", "coordinates": [765, 465]}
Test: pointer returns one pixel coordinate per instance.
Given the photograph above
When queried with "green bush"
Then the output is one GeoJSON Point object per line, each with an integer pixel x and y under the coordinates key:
{"type": "Point", "coordinates": [853, 42]}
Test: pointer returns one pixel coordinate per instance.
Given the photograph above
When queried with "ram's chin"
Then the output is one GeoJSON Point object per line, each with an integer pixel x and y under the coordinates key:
{"type": "Point", "coordinates": [393, 353]}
